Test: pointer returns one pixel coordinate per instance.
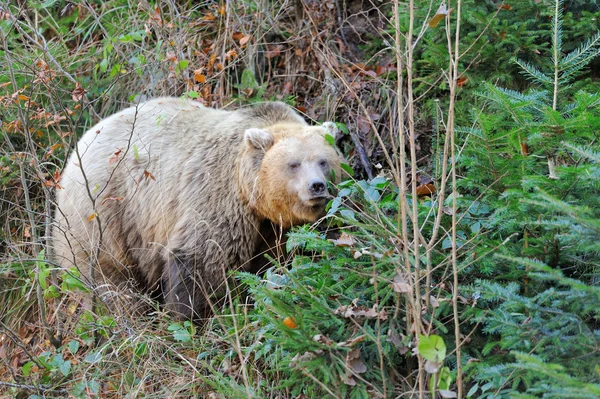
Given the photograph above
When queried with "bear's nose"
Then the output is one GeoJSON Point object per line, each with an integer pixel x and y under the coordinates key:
{"type": "Point", "coordinates": [317, 187]}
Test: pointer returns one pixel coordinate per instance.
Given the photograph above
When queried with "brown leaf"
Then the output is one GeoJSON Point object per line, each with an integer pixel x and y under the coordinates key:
{"type": "Point", "coordinates": [353, 310]}
{"type": "Point", "coordinates": [237, 36]}
{"type": "Point", "coordinates": [425, 189]}
{"type": "Point", "coordinates": [148, 175]}
{"type": "Point", "coordinates": [323, 340]}
{"type": "Point", "coordinates": [461, 81]}
{"type": "Point", "coordinates": [439, 16]}
{"type": "Point", "coordinates": [401, 284]}
{"type": "Point", "coordinates": [354, 363]}
{"type": "Point", "coordinates": [351, 342]}
{"type": "Point", "coordinates": [287, 88]}
{"type": "Point", "coordinates": [432, 367]}
{"type": "Point", "coordinates": [245, 39]}
{"type": "Point", "coordinates": [272, 51]}
{"type": "Point", "coordinates": [345, 240]}
{"type": "Point", "coordinates": [199, 77]}
{"type": "Point", "coordinates": [77, 94]}
{"type": "Point", "coordinates": [115, 157]}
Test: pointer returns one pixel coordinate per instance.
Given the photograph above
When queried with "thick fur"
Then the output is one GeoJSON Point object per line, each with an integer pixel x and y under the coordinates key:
{"type": "Point", "coordinates": [179, 192]}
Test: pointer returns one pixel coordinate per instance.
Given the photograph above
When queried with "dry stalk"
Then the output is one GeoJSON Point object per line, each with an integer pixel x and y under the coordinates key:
{"type": "Point", "coordinates": [36, 247]}
{"type": "Point", "coordinates": [454, 54]}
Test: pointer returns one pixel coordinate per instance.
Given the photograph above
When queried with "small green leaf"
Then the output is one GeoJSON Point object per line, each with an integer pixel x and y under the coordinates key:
{"type": "Point", "coordinates": [192, 94]}
{"type": "Point", "coordinates": [26, 369]}
{"type": "Point", "coordinates": [73, 346]}
{"type": "Point", "coordinates": [473, 390]}
{"type": "Point", "coordinates": [136, 154]}
{"type": "Point", "coordinates": [330, 139]}
{"type": "Point", "coordinates": [182, 335]}
{"type": "Point", "coordinates": [93, 357]}
{"type": "Point", "coordinates": [344, 192]}
{"type": "Point", "coordinates": [137, 36]}
{"type": "Point", "coordinates": [65, 368]}
{"type": "Point", "coordinates": [432, 348]}
{"type": "Point", "coordinates": [333, 205]}
{"type": "Point", "coordinates": [71, 282]}
{"type": "Point", "coordinates": [183, 64]}
{"type": "Point", "coordinates": [141, 349]}
{"type": "Point", "coordinates": [51, 292]}
{"type": "Point", "coordinates": [93, 386]}
{"type": "Point", "coordinates": [43, 271]}
{"type": "Point", "coordinates": [343, 128]}
{"type": "Point", "coordinates": [347, 214]}
{"type": "Point", "coordinates": [104, 65]}
{"type": "Point", "coordinates": [347, 168]}
{"type": "Point", "coordinates": [115, 70]}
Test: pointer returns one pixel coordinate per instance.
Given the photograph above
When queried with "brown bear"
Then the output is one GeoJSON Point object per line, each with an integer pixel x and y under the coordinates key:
{"type": "Point", "coordinates": [170, 194]}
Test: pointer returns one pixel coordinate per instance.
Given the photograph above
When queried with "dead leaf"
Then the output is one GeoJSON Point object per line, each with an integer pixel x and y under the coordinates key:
{"type": "Point", "coordinates": [354, 363]}
{"type": "Point", "coordinates": [439, 16]}
{"type": "Point", "coordinates": [401, 284]}
{"type": "Point", "coordinates": [198, 76]}
{"type": "Point", "coordinates": [148, 175]}
{"type": "Point", "coordinates": [245, 39]}
{"type": "Point", "coordinates": [156, 16]}
{"type": "Point", "coordinates": [91, 217]}
{"type": "Point", "coordinates": [115, 157]}
{"type": "Point", "coordinates": [272, 51]}
{"type": "Point", "coordinates": [27, 232]}
{"type": "Point", "coordinates": [171, 56]}
{"type": "Point", "coordinates": [323, 340]}
{"type": "Point", "coordinates": [352, 342]}
{"type": "Point", "coordinates": [77, 94]}
{"type": "Point", "coordinates": [432, 367]}
{"type": "Point", "coordinates": [353, 310]}
{"type": "Point", "coordinates": [345, 240]}
{"type": "Point", "coordinates": [287, 88]}
{"type": "Point", "coordinates": [461, 81]}
{"type": "Point", "coordinates": [425, 189]}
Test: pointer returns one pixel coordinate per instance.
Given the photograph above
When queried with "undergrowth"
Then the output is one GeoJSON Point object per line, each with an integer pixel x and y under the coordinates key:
{"type": "Point", "coordinates": [458, 262]}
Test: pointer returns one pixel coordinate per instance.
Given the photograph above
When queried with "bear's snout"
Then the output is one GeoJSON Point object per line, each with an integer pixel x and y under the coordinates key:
{"type": "Point", "coordinates": [317, 188]}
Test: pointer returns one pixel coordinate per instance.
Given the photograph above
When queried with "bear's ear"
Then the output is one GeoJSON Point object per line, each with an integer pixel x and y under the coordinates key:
{"type": "Point", "coordinates": [258, 139]}
{"type": "Point", "coordinates": [331, 129]}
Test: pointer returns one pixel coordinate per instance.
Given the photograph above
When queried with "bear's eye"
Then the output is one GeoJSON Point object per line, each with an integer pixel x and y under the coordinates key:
{"type": "Point", "coordinates": [294, 165]}
{"type": "Point", "coordinates": [322, 163]}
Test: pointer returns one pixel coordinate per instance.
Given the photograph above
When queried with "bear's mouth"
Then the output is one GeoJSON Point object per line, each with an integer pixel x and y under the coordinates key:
{"type": "Point", "coordinates": [317, 202]}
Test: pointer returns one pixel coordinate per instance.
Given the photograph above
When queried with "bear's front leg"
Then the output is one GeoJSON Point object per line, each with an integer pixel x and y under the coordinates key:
{"type": "Point", "coordinates": [186, 288]}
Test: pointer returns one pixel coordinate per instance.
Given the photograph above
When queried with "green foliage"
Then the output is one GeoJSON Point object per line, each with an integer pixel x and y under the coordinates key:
{"type": "Point", "coordinates": [532, 159]}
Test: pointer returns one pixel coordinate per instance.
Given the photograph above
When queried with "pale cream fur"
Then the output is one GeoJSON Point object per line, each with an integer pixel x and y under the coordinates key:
{"type": "Point", "coordinates": [181, 190]}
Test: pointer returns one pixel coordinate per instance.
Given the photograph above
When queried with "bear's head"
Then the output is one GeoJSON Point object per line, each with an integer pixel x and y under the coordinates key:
{"type": "Point", "coordinates": [285, 169]}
